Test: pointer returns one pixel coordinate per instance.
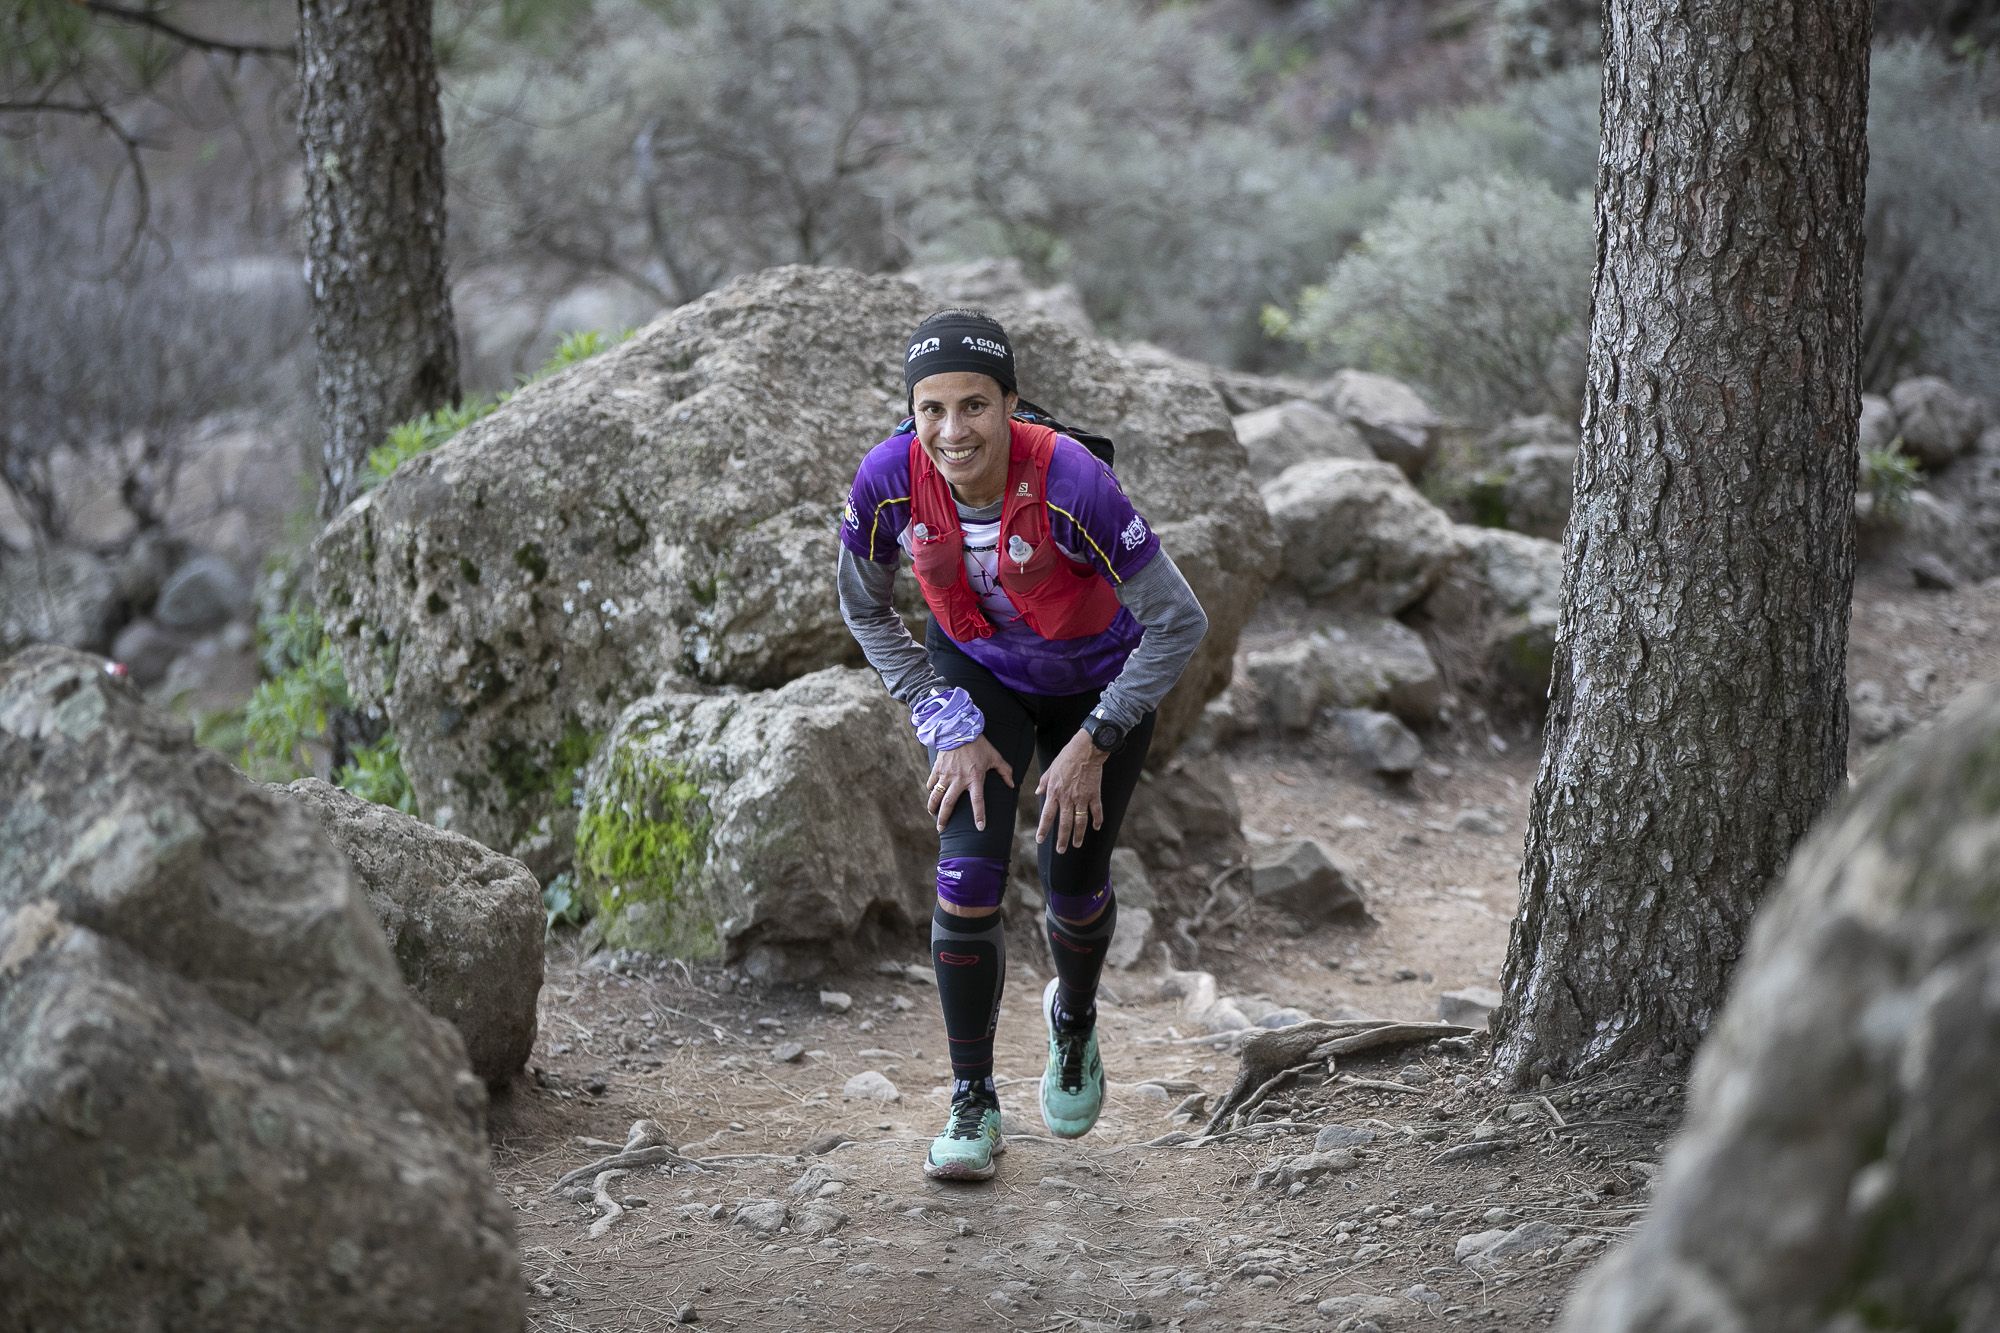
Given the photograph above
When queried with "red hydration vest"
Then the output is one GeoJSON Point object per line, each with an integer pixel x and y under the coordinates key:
{"type": "Point", "coordinates": [1059, 598]}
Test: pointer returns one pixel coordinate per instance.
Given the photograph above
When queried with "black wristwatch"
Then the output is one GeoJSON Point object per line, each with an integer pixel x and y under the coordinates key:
{"type": "Point", "coordinates": [1105, 734]}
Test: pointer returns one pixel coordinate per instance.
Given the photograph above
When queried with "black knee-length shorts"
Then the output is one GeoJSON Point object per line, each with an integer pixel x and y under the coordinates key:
{"type": "Point", "coordinates": [1022, 726]}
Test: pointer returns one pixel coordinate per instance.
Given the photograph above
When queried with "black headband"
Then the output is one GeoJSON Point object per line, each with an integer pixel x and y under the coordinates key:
{"type": "Point", "coordinates": [959, 340]}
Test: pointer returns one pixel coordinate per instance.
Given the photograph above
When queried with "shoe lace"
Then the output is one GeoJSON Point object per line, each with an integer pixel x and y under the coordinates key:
{"type": "Point", "coordinates": [1071, 1047]}
{"type": "Point", "coordinates": [968, 1117]}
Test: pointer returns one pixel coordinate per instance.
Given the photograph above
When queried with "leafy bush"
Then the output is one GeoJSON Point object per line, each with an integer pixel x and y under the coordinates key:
{"type": "Point", "coordinates": [1932, 283]}
{"type": "Point", "coordinates": [1538, 129]}
{"type": "Point", "coordinates": [433, 429]}
{"type": "Point", "coordinates": [1113, 145]}
{"type": "Point", "coordinates": [1887, 479]}
{"type": "Point", "coordinates": [287, 713]}
{"type": "Point", "coordinates": [1469, 293]}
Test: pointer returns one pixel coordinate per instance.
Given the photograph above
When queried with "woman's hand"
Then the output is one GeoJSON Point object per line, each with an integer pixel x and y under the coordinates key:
{"type": "Point", "coordinates": [962, 771]}
{"type": "Point", "coordinates": [1072, 792]}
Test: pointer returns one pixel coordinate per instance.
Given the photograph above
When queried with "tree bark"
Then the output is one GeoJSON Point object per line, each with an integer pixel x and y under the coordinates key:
{"type": "Point", "coordinates": [1698, 718]}
{"type": "Point", "coordinates": [375, 226]}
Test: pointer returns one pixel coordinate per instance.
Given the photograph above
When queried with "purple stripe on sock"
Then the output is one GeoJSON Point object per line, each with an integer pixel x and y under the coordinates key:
{"type": "Point", "coordinates": [1079, 906]}
{"type": "Point", "coordinates": [971, 881]}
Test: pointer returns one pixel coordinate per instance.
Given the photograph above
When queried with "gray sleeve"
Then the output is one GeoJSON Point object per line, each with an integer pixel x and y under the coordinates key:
{"type": "Point", "coordinates": [868, 607]}
{"type": "Point", "coordinates": [1158, 598]}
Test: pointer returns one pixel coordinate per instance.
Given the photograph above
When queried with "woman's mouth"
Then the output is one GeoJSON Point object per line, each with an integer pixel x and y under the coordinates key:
{"type": "Point", "coordinates": [958, 455]}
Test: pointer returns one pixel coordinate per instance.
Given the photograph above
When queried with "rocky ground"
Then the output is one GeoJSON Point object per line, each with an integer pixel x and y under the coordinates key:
{"type": "Point", "coordinates": [1401, 1193]}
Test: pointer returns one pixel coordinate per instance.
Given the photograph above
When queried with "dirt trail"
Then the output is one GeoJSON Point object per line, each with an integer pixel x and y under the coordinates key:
{"type": "Point", "coordinates": [1107, 1232]}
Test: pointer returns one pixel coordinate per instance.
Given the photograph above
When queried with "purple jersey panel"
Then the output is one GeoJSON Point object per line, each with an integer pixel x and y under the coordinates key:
{"type": "Point", "coordinates": [878, 507]}
{"type": "Point", "coordinates": [1089, 514]}
{"type": "Point", "coordinates": [1089, 517]}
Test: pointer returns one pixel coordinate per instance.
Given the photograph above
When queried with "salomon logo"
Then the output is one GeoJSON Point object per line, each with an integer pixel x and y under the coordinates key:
{"type": "Point", "coordinates": [923, 348]}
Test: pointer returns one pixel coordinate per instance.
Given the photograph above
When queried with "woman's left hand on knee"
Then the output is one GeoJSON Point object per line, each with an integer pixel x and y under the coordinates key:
{"type": "Point", "coordinates": [1072, 792]}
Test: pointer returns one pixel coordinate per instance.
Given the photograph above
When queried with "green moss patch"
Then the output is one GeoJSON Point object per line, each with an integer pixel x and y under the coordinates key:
{"type": "Point", "coordinates": [641, 840]}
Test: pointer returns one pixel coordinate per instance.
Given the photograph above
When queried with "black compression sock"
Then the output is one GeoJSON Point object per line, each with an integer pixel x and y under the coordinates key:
{"type": "Point", "coordinates": [970, 955]}
{"type": "Point", "coordinates": [1079, 952]}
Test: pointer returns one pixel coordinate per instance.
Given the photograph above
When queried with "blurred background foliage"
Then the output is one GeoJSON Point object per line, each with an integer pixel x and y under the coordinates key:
{"type": "Point", "coordinates": [1269, 184]}
{"type": "Point", "coordinates": [1272, 185]}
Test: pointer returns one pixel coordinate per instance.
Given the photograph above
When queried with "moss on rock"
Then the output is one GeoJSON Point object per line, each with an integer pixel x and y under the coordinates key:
{"type": "Point", "coordinates": [641, 840]}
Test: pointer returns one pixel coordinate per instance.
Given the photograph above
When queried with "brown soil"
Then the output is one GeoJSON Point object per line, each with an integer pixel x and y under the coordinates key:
{"type": "Point", "coordinates": [1109, 1232]}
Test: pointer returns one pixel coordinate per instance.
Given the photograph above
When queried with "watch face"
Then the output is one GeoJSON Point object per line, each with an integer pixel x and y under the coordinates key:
{"type": "Point", "coordinates": [1107, 736]}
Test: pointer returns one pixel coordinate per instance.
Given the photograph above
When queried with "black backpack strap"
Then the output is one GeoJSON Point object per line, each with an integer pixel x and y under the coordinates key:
{"type": "Point", "coordinates": [1099, 445]}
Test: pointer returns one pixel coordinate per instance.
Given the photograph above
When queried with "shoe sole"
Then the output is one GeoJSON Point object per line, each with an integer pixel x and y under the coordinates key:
{"type": "Point", "coordinates": [1062, 1129]}
{"type": "Point", "coordinates": [964, 1170]}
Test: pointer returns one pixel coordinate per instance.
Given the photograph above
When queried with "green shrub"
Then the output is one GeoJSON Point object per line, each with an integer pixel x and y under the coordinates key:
{"type": "Point", "coordinates": [375, 773]}
{"type": "Point", "coordinates": [561, 902]}
{"type": "Point", "coordinates": [1887, 478]}
{"type": "Point", "coordinates": [1469, 293]}
{"type": "Point", "coordinates": [1931, 292]}
{"type": "Point", "coordinates": [1539, 129]}
{"type": "Point", "coordinates": [429, 431]}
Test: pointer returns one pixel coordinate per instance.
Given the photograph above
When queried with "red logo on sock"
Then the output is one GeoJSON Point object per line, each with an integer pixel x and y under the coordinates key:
{"type": "Point", "coordinates": [957, 959]}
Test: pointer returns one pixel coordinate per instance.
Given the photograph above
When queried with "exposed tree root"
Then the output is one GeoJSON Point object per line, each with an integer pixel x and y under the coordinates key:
{"type": "Point", "coordinates": [646, 1145]}
{"type": "Point", "coordinates": [612, 1209]}
{"type": "Point", "coordinates": [1275, 1056]}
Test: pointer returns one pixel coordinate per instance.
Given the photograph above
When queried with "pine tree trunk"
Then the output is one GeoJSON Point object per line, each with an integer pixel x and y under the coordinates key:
{"type": "Point", "coordinates": [1698, 718]}
{"type": "Point", "coordinates": [374, 173]}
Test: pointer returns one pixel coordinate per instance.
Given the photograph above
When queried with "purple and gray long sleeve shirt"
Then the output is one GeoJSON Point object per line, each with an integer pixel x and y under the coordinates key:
{"type": "Point", "coordinates": [1136, 660]}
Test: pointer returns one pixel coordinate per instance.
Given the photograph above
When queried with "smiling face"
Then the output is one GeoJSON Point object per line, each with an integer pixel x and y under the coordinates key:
{"type": "Point", "coordinates": [962, 424]}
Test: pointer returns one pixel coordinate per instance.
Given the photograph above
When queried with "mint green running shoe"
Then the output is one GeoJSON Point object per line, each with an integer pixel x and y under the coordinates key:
{"type": "Point", "coordinates": [970, 1142]}
{"type": "Point", "coordinates": [1073, 1081]}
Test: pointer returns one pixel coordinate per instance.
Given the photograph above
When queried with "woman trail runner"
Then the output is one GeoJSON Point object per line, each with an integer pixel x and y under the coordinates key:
{"type": "Point", "coordinates": [1057, 626]}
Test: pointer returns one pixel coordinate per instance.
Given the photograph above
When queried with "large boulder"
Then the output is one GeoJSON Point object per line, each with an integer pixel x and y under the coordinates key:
{"type": "Point", "coordinates": [1292, 432]}
{"type": "Point", "coordinates": [1494, 614]}
{"type": "Point", "coordinates": [219, 1105]}
{"type": "Point", "coordinates": [1394, 421]}
{"type": "Point", "coordinates": [669, 507]}
{"type": "Point", "coordinates": [1357, 536]}
{"type": "Point", "coordinates": [784, 829]}
{"type": "Point", "coordinates": [1002, 288]}
{"type": "Point", "coordinates": [61, 595]}
{"type": "Point", "coordinates": [1942, 536]}
{"type": "Point", "coordinates": [1535, 484]}
{"type": "Point", "coordinates": [1839, 1169]}
{"type": "Point", "coordinates": [465, 923]}
{"type": "Point", "coordinates": [1936, 421]}
{"type": "Point", "coordinates": [1350, 661]}
{"type": "Point", "coordinates": [1876, 428]}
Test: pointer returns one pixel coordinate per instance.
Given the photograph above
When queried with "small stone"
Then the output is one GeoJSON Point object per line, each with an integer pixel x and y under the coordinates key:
{"type": "Point", "coordinates": [870, 1085]}
{"type": "Point", "coordinates": [1479, 821]}
{"type": "Point", "coordinates": [760, 1217]}
{"type": "Point", "coordinates": [1423, 1295]}
{"type": "Point", "coordinates": [1342, 1136]}
{"type": "Point", "coordinates": [815, 1218]}
{"type": "Point", "coordinates": [835, 1001]}
{"type": "Point", "coordinates": [825, 1143]}
{"type": "Point", "coordinates": [788, 1053]}
{"type": "Point", "coordinates": [1470, 1007]}
{"type": "Point", "coordinates": [1416, 1076]}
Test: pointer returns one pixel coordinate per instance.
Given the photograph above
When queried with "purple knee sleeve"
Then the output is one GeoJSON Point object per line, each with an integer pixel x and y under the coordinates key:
{"type": "Point", "coordinates": [971, 881]}
{"type": "Point", "coordinates": [1080, 906]}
